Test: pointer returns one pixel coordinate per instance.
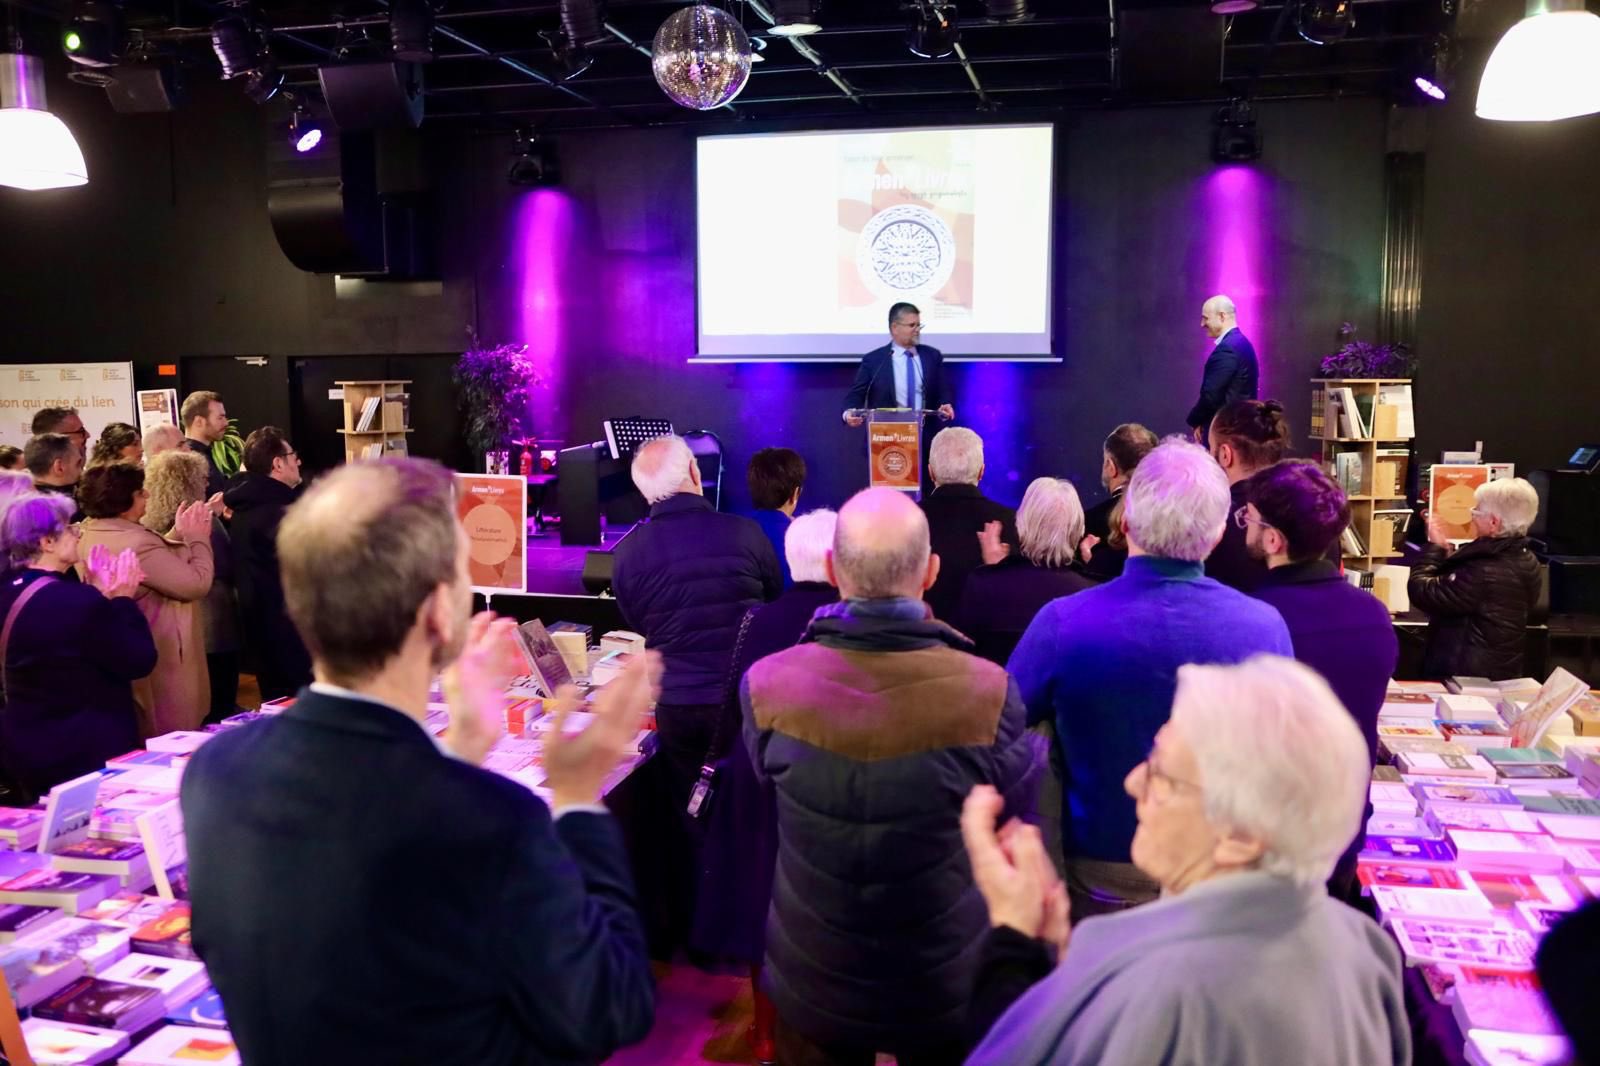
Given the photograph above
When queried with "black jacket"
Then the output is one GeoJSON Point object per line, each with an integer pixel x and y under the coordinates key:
{"type": "Point", "coordinates": [215, 481]}
{"type": "Point", "coordinates": [873, 731]}
{"type": "Point", "coordinates": [874, 383]}
{"type": "Point", "coordinates": [359, 896]}
{"type": "Point", "coordinates": [70, 664]}
{"type": "Point", "coordinates": [1477, 601]}
{"type": "Point", "coordinates": [684, 579]}
{"type": "Point", "coordinates": [956, 514]}
{"type": "Point", "coordinates": [999, 601]}
{"type": "Point", "coordinates": [1230, 562]}
{"type": "Point", "coordinates": [1105, 562]}
{"type": "Point", "coordinates": [258, 505]}
{"type": "Point", "coordinates": [1231, 374]}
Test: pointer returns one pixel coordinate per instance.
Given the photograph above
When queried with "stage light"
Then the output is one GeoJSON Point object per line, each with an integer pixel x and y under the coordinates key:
{"type": "Point", "coordinates": [37, 151]}
{"type": "Point", "coordinates": [94, 36]}
{"type": "Point", "coordinates": [1008, 10]}
{"type": "Point", "coordinates": [533, 162]}
{"type": "Point", "coordinates": [411, 31]}
{"type": "Point", "coordinates": [794, 18]}
{"type": "Point", "coordinates": [305, 133]}
{"type": "Point", "coordinates": [243, 54]}
{"type": "Point", "coordinates": [933, 33]}
{"type": "Point", "coordinates": [1235, 138]}
{"type": "Point", "coordinates": [1233, 7]}
{"type": "Point", "coordinates": [584, 22]}
{"type": "Point", "coordinates": [1436, 76]}
{"type": "Point", "coordinates": [1546, 67]}
{"type": "Point", "coordinates": [1325, 21]}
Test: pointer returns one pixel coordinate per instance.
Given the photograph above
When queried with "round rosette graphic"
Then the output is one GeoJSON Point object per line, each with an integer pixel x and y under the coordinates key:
{"type": "Point", "coordinates": [894, 464]}
{"type": "Point", "coordinates": [904, 250]}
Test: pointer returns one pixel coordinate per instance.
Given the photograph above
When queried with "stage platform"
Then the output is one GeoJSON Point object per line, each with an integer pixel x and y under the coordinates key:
{"type": "Point", "coordinates": [555, 583]}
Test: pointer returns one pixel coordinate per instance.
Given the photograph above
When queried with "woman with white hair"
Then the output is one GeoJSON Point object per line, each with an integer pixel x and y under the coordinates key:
{"type": "Point", "coordinates": [742, 826]}
{"type": "Point", "coordinates": [1000, 599]}
{"type": "Point", "coordinates": [1478, 596]}
{"type": "Point", "coordinates": [1252, 790]}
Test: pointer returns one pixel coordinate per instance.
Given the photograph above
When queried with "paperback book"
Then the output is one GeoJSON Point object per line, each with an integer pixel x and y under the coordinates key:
{"type": "Point", "coordinates": [1440, 941]}
{"type": "Point", "coordinates": [1487, 1047]}
{"type": "Point", "coordinates": [184, 1045]}
{"type": "Point", "coordinates": [64, 1044]}
{"type": "Point", "coordinates": [167, 935]}
{"type": "Point", "coordinates": [1524, 851]}
{"type": "Point", "coordinates": [1478, 795]}
{"type": "Point", "coordinates": [1507, 1000]}
{"type": "Point", "coordinates": [106, 1004]}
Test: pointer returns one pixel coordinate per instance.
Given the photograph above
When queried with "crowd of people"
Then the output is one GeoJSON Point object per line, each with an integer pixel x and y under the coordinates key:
{"type": "Point", "coordinates": [86, 525]}
{"type": "Point", "coordinates": [956, 783]}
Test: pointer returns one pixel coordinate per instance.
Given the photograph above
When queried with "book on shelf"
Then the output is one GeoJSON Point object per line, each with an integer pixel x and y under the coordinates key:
{"type": "Point", "coordinates": [369, 412]}
{"type": "Point", "coordinates": [1318, 422]}
{"type": "Point", "coordinates": [1347, 472]}
{"type": "Point", "coordinates": [1398, 398]}
{"type": "Point", "coordinates": [64, 1044]}
{"type": "Point", "coordinates": [1466, 904]}
{"type": "Point", "coordinates": [1489, 1047]}
{"type": "Point", "coordinates": [1460, 764]}
{"type": "Point", "coordinates": [1394, 747]}
{"type": "Point", "coordinates": [1502, 999]}
{"type": "Point", "coordinates": [1445, 942]}
{"type": "Point", "coordinates": [184, 1045]}
{"type": "Point", "coordinates": [1464, 707]}
{"type": "Point", "coordinates": [178, 980]}
{"type": "Point", "coordinates": [98, 944]}
{"type": "Point", "coordinates": [1524, 851]}
{"type": "Point", "coordinates": [104, 1003]}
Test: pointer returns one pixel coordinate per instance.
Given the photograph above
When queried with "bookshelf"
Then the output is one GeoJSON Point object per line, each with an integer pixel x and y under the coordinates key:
{"type": "Point", "coordinates": [384, 408]}
{"type": "Point", "coordinates": [1369, 456]}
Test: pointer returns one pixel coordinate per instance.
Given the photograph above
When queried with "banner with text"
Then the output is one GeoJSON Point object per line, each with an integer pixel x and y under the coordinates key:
{"type": "Point", "coordinates": [101, 393]}
{"type": "Point", "coordinates": [493, 509]}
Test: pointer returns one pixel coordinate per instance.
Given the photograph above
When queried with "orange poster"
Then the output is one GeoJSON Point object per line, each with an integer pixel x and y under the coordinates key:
{"type": "Point", "coordinates": [1451, 497]}
{"type": "Point", "coordinates": [895, 452]}
{"type": "Point", "coordinates": [493, 510]}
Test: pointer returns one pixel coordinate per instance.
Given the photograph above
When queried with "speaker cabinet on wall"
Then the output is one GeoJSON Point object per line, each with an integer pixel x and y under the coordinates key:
{"type": "Point", "coordinates": [373, 96]}
{"type": "Point", "coordinates": [144, 88]}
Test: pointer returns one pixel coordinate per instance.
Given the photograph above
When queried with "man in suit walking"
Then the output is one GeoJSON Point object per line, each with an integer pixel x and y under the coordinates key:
{"type": "Point", "coordinates": [903, 373]}
{"type": "Point", "coordinates": [1231, 372]}
{"type": "Point", "coordinates": [363, 892]}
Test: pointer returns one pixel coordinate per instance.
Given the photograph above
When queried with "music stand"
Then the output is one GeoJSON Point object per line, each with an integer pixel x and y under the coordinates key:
{"type": "Point", "coordinates": [624, 435]}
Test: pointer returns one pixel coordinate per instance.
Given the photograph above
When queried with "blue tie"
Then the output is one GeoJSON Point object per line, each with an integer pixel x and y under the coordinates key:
{"type": "Point", "coordinates": [912, 384]}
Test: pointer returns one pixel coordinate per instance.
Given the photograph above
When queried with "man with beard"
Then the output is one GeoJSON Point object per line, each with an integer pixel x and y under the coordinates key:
{"type": "Point", "coordinates": [1123, 449]}
{"type": "Point", "coordinates": [365, 893]}
{"type": "Point", "coordinates": [1294, 513]}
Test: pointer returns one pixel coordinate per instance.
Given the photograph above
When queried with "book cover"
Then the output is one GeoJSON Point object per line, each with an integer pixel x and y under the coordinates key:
{"type": "Point", "coordinates": [1450, 764]}
{"type": "Point", "coordinates": [16, 919]}
{"type": "Point", "coordinates": [1396, 824]}
{"type": "Point", "coordinates": [1386, 774]}
{"type": "Point", "coordinates": [1460, 707]}
{"type": "Point", "coordinates": [1413, 849]}
{"type": "Point", "coordinates": [1523, 850]}
{"type": "Point", "coordinates": [67, 811]}
{"type": "Point", "coordinates": [33, 973]}
{"type": "Point", "coordinates": [1452, 492]}
{"type": "Point", "coordinates": [63, 1044]}
{"type": "Point", "coordinates": [107, 1004]}
{"type": "Point", "coordinates": [141, 757]}
{"type": "Point", "coordinates": [167, 935]}
{"type": "Point", "coordinates": [1500, 755]}
{"type": "Point", "coordinates": [203, 1010]}
{"type": "Point", "coordinates": [1479, 795]}
{"type": "Point", "coordinates": [1561, 691]}
{"type": "Point", "coordinates": [1580, 858]}
{"type": "Point", "coordinates": [1504, 889]}
{"type": "Point", "coordinates": [58, 888]}
{"type": "Point", "coordinates": [1537, 918]}
{"type": "Point", "coordinates": [1465, 904]}
{"type": "Point", "coordinates": [1494, 819]}
{"type": "Point", "coordinates": [102, 849]}
{"type": "Point", "coordinates": [1508, 1000]}
{"type": "Point", "coordinates": [1406, 874]}
{"type": "Point", "coordinates": [185, 1045]}
{"type": "Point", "coordinates": [1582, 806]}
{"type": "Point", "coordinates": [161, 831]}
{"type": "Point", "coordinates": [98, 944]}
{"type": "Point", "coordinates": [1490, 1047]}
{"type": "Point", "coordinates": [1440, 941]}
{"type": "Point", "coordinates": [1577, 828]}
{"type": "Point", "coordinates": [1532, 771]}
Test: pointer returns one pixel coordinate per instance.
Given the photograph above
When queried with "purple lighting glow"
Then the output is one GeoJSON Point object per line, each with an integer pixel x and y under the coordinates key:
{"type": "Point", "coordinates": [543, 247]}
{"type": "Point", "coordinates": [1429, 87]}
{"type": "Point", "coordinates": [1234, 202]}
{"type": "Point", "coordinates": [308, 140]}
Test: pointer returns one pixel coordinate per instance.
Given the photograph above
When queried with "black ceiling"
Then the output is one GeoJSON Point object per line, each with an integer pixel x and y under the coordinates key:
{"type": "Point", "coordinates": [494, 65]}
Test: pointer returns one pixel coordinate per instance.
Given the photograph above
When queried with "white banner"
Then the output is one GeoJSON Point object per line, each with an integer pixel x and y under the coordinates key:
{"type": "Point", "coordinates": [101, 393]}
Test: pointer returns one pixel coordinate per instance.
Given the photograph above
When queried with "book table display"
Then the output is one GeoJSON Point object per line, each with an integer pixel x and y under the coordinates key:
{"type": "Point", "coordinates": [1485, 830]}
{"type": "Point", "coordinates": [94, 919]}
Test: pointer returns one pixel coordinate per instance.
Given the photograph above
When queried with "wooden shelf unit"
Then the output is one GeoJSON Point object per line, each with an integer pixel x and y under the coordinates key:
{"type": "Point", "coordinates": [1366, 506]}
{"type": "Point", "coordinates": [389, 428]}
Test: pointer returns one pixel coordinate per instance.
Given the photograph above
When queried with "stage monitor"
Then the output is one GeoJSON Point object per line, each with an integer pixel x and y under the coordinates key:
{"type": "Point", "coordinates": [805, 240]}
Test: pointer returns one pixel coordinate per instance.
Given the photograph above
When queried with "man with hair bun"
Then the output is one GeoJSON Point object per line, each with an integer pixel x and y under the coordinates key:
{"type": "Point", "coordinates": [1245, 437]}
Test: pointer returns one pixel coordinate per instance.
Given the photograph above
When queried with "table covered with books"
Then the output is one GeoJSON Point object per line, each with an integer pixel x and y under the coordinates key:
{"type": "Point", "coordinates": [94, 925]}
{"type": "Point", "coordinates": [1485, 830]}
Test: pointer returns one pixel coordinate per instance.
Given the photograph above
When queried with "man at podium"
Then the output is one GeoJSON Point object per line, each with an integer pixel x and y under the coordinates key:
{"type": "Point", "coordinates": [903, 373]}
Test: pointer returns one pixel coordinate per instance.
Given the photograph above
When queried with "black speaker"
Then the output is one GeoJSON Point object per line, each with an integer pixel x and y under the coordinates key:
{"type": "Point", "coordinates": [373, 96]}
{"type": "Point", "coordinates": [145, 88]}
{"type": "Point", "coordinates": [598, 567]}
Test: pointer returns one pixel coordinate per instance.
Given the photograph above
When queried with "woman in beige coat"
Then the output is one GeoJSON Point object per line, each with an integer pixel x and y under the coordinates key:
{"type": "Point", "coordinates": [177, 576]}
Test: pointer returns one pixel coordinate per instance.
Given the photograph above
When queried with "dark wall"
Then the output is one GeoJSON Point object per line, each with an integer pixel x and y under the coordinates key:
{"type": "Point", "coordinates": [168, 253]}
{"type": "Point", "coordinates": [1510, 319]}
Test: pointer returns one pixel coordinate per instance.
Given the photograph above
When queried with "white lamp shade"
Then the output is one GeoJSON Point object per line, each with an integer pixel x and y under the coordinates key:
{"type": "Point", "coordinates": [1546, 67]}
{"type": "Point", "coordinates": [37, 151]}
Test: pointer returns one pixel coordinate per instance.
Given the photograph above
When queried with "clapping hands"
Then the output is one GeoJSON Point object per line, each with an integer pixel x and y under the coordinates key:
{"type": "Point", "coordinates": [192, 522]}
{"type": "Point", "coordinates": [576, 765]}
{"type": "Point", "coordinates": [990, 545]}
{"type": "Point", "coordinates": [475, 686]}
{"type": "Point", "coordinates": [1013, 871]}
{"type": "Point", "coordinates": [119, 575]}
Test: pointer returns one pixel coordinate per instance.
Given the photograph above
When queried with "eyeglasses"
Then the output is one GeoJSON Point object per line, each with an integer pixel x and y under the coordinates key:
{"type": "Point", "coordinates": [1242, 519]}
{"type": "Point", "coordinates": [1153, 773]}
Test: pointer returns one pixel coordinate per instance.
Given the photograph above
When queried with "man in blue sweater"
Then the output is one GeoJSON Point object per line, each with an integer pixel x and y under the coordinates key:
{"type": "Point", "coordinates": [1102, 664]}
{"type": "Point", "coordinates": [1294, 515]}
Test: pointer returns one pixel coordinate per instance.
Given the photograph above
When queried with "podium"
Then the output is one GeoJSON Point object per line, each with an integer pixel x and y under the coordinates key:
{"type": "Point", "coordinates": [894, 447]}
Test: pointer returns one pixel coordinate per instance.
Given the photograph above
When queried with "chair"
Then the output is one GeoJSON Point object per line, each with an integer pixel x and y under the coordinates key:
{"type": "Point", "coordinates": [707, 449]}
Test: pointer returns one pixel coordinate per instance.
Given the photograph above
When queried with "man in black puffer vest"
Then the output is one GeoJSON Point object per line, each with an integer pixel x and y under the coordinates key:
{"type": "Point", "coordinates": [684, 579]}
{"type": "Point", "coordinates": [873, 730]}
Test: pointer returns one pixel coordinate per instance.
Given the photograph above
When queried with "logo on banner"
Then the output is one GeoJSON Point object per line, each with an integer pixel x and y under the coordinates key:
{"type": "Point", "coordinates": [905, 249]}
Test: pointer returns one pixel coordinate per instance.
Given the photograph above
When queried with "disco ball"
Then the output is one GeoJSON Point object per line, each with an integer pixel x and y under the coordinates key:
{"type": "Point", "coordinates": [702, 57]}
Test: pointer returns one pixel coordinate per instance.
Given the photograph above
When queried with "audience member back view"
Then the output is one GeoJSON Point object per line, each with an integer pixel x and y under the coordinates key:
{"type": "Point", "coordinates": [365, 894]}
{"type": "Point", "coordinates": [957, 513]}
{"type": "Point", "coordinates": [872, 730]}
{"type": "Point", "coordinates": [1245, 436]}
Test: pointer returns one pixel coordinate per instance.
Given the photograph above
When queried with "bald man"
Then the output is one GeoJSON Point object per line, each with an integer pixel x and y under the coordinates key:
{"type": "Point", "coordinates": [1231, 372]}
{"type": "Point", "coordinates": [873, 730]}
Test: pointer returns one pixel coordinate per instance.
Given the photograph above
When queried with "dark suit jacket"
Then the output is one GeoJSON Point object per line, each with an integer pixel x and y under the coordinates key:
{"type": "Point", "coordinates": [999, 601]}
{"type": "Point", "coordinates": [1105, 562]}
{"type": "Point", "coordinates": [956, 514]}
{"type": "Point", "coordinates": [1231, 374]}
{"type": "Point", "coordinates": [258, 505]}
{"type": "Point", "coordinates": [215, 481]}
{"type": "Point", "coordinates": [874, 384]}
{"type": "Point", "coordinates": [359, 896]}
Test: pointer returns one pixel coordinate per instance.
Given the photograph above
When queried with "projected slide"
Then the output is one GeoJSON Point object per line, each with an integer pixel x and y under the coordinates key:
{"type": "Point", "coordinates": [806, 239]}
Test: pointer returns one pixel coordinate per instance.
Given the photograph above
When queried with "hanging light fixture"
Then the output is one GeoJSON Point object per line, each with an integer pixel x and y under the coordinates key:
{"type": "Point", "coordinates": [1436, 76]}
{"type": "Point", "coordinates": [933, 33]}
{"type": "Point", "coordinates": [794, 18]}
{"type": "Point", "coordinates": [1546, 67]}
{"type": "Point", "coordinates": [37, 151]}
{"type": "Point", "coordinates": [701, 57]}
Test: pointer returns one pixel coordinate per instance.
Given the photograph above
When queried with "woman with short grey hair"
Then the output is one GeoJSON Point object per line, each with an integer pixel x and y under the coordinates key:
{"type": "Point", "coordinates": [1252, 791]}
{"type": "Point", "coordinates": [1478, 594]}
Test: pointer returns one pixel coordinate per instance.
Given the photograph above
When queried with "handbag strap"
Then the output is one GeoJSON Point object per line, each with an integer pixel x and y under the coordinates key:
{"type": "Point", "coordinates": [730, 689]}
{"type": "Point", "coordinates": [11, 619]}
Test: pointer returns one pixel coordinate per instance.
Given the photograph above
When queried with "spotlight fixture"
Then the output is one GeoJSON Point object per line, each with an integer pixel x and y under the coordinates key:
{"type": "Point", "coordinates": [933, 33]}
{"type": "Point", "coordinates": [37, 151]}
{"type": "Point", "coordinates": [94, 36]}
{"type": "Point", "coordinates": [305, 133]}
{"type": "Point", "coordinates": [1546, 67]}
{"type": "Point", "coordinates": [794, 18]}
{"type": "Point", "coordinates": [1235, 138]}
{"type": "Point", "coordinates": [533, 162]}
{"type": "Point", "coordinates": [757, 46]}
{"type": "Point", "coordinates": [1233, 7]}
{"type": "Point", "coordinates": [1436, 76]}
{"type": "Point", "coordinates": [243, 53]}
{"type": "Point", "coordinates": [411, 31]}
{"type": "Point", "coordinates": [1008, 11]}
{"type": "Point", "coordinates": [1325, 21]}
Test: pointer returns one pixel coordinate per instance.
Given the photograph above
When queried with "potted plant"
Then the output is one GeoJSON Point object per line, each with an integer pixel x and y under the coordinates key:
{"type": "Point", "coordinates": [495, 385]}
{"type": "Point", "coordinates": [1358, 359]}
{"type": "Point", "coordinates": [228, 450]}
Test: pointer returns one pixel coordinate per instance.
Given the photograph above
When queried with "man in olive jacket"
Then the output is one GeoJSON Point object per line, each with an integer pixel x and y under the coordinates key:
{"type": "Point", "coordinates": [873, 730]}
